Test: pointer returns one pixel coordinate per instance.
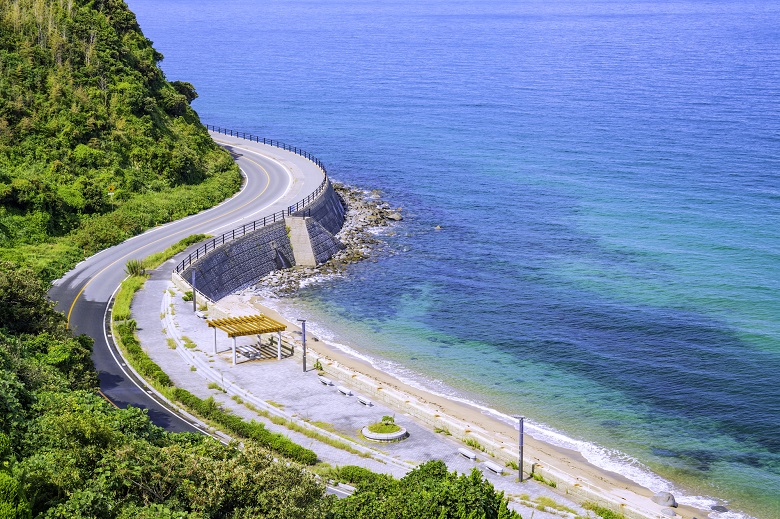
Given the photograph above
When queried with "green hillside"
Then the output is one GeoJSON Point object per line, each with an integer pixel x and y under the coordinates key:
{"type": "Point", "coordinates": [95, 144]}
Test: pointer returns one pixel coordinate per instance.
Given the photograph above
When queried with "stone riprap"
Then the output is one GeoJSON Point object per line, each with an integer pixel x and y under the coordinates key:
{"type": "Point", "coordinates": [241, 262]}
{"type": "Point", "coordinates": [357, 240]}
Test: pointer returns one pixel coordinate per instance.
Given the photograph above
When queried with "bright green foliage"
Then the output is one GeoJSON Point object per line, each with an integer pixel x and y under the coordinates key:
{"type": "Point", "coordinates": [13, 505]}
{"type": "Point", "coordinates": [358, 475]}
{"type": "Point", "coordinates": [138, 357]}
{"type": "Point", "coordinates": [428, 491]}
{"type": "Point", "coordinates": [134, 267]}
{"type": "Point", "coordinates": [24, 307]}
{"type": "Point", "coordinates": [95, 144]}
{"type": "Point", "coordinates": [124, 297]}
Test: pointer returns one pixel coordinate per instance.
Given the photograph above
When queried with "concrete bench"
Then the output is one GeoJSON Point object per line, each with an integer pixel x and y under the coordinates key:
{"type": "Point", "coordinates": [498, 469]}
{"type": "Point", "coordinates": [248, 352]}
{"type": "Point", "coordinates": [344, 391]}
{"type": "Point", "coordinates": [325, 380]}
{"type": "Point", "coordinates": [365, 401]}
{"type": "Point", "coordinates": [468, 454]}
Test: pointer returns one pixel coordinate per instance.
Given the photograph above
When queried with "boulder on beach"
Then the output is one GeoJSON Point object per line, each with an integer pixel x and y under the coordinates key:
{"type": "Point", "coordinates": [395, 216]}
{"type": "Point", "coordinates": [664, 499]}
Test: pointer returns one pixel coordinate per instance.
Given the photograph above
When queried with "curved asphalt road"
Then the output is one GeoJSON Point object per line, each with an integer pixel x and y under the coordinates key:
{"type": "Point", "coordinates": [273, 180]}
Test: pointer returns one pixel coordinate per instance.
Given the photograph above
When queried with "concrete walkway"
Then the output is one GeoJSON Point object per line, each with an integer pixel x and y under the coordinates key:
{"type": "Point", "coordinates": [182, 344]}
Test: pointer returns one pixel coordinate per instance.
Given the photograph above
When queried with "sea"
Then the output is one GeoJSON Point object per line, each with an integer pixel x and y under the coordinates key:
{"type": "Point", "coordinates": [606, 179]}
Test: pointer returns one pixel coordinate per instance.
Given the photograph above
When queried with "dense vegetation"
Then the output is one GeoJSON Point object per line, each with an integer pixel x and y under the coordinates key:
{"type": "Point", "coordinates": [95, 144]}
{"type": "Point", "coordinates": [429, 491]}
{"type": "Point", "coordinates": [66, 452]}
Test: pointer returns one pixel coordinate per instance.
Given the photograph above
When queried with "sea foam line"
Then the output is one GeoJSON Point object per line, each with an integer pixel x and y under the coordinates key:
{"type": "Point", "coordinates": [603, 458]}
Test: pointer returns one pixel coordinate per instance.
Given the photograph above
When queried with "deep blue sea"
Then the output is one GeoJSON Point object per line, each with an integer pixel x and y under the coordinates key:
{"type": "Point", "coordinates": [606, 174]}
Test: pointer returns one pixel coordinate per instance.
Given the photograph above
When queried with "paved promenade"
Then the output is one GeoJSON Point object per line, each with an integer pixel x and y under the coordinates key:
{"type": "Point", "coordinates": [282, 389]}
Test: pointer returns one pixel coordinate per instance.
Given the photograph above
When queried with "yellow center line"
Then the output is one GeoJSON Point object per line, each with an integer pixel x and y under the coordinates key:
{"type": "Point", "coordinates": [268, 184]}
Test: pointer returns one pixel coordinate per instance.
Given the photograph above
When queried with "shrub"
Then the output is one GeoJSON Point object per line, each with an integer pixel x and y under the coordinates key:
{"type": "Point", "coordinates": [134, 267]}
{"type": "Point", "coordinates": [253, 430]}
{"type": "Point", "coordinates": [138, 357]}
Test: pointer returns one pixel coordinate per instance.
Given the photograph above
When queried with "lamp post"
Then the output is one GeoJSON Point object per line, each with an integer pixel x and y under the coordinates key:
{"type": "Point", "coordinates": [303, 333]}
{"type": "Point", "coordinates": [520, 426]}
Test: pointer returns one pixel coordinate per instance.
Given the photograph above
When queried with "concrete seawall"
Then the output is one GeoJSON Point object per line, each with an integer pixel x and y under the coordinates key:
{"type": "Point", "coordinates": [241, 262]}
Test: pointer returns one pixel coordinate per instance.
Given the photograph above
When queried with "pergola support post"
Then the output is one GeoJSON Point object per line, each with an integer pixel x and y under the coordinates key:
{"type": "Point", "coordinates": [215, 340]}
{"type": "Point", "coordinates": [234, 351]}
{"type": "Point", "coordinates": [279, 346]}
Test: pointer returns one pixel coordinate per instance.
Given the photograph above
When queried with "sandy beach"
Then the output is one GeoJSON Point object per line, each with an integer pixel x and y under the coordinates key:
{"type": "Point", "coordinates": [568, 469]}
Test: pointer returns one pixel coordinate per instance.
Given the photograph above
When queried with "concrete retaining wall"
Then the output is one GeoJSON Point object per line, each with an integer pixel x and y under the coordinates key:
{"type": "Point", "coordinates": [327, 210]}
{"type": "Point", "coordinates": [241, 262]}
{"type": "Point", "coordinates": [323, 243]}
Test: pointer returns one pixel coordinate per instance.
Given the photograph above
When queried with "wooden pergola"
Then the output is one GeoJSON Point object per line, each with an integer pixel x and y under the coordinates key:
{"type": "Point", "coordinates": [248, 325]}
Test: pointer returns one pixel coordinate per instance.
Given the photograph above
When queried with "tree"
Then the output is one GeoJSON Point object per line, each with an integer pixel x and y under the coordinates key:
{"type": "Point", "coordinates": [428, 491]}
{"type": "Point", "coordinates": [24, 307]}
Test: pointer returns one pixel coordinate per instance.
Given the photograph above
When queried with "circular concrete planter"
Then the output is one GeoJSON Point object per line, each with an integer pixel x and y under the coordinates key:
{"type": "Point", "coordinates": [385, 437]}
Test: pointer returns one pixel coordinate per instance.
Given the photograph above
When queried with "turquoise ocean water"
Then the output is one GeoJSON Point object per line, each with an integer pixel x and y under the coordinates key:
{"type": "Point", "coordinates": [607, 176]}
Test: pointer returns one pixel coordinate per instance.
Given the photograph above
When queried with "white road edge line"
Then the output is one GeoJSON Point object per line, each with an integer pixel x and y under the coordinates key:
{"type": "Point", "coordinates": [122, 366]}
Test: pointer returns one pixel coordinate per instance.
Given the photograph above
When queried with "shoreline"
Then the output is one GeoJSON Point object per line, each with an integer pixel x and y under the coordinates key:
{"type": "Point", "coordinates": [567, 467]}
{"type": "Point", "coordinates": [368, 216]}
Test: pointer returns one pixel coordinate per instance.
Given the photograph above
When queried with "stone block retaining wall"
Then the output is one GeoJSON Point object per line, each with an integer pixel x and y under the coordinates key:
{"type": "Point", "coordinates": [327, 210]}
{"type": "Point", "coordinates": [241, 262]}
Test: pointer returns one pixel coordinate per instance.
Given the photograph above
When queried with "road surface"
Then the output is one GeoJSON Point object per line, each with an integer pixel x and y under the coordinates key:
{"type": "Point", "coordinates": [273, 180]}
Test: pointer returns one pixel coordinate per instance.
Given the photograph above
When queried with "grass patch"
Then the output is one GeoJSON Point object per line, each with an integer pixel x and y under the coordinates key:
{"type": "Point", "coordinates": [314, 435]}
{"type": "Point", "coordinates": [602, 511]}
{"type": "Point", "coordinates": [383, 428]}
{"type": "Point", "coordinates": [124, 296]}
{"type": "Point", "coordinates": [275, 404]}
{"type": "Point", "coordinates": [542, 479]}
{"type": "Point", "coordinates": [193, 368]}
{"type": "Point", "coordinates": [548, 502]}
{"type": "Point", "coordinates": [474, 444]}
{"type": "Point", "coordinates": [324, 426]}
{"type": "Point", "coordinates": [158, 258]}
{"type": "Point", "coordinates": [512, 465]}
{"type": "Point", "coordinates": [442, 430]}
{"type": "Point", "coordinates": [171, 343]}
{"type": "Point", "coordinates": [215, 386]}
{"type": "Point", "coordinates": [188, 342]}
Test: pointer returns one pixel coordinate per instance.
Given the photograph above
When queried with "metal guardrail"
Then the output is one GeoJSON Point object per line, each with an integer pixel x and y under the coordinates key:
{"type": "Point", "coordinates": [266, 220]}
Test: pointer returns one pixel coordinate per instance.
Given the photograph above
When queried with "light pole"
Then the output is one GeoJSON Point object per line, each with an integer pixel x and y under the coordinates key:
{"type": "Point", "coordinates": [303, 333]}
{"type": "Point", "coordinates": [520, 426]}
